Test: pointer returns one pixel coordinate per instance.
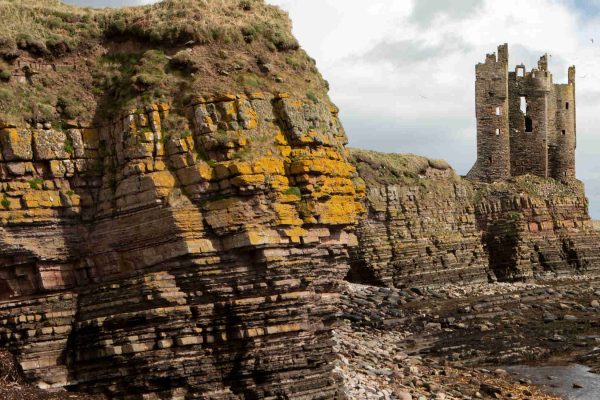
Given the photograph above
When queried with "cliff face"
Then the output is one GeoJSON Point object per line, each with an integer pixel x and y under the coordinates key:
{"type": "Point", "coordinates": [426, 226]}
{"type": "Point", "coordinates": [148, 259]}
{"type": "Point", "coordinates": [167, 240]}
{"type": "Point", "coordinates": [535, 227]}
{"type": "Point", "coordinates": [420, 228]}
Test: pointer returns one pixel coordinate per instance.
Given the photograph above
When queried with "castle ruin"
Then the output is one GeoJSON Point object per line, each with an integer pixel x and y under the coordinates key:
{"type": "Point", "coordinates": [525, 122]}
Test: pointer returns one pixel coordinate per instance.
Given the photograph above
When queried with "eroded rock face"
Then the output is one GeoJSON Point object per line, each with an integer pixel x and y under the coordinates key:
{"type": "Point", "coordinates": [536, 227]}
{"type": "Point", "coordinates": [426, 226]}
{"type": "Point", "coordinates": [179, 253]}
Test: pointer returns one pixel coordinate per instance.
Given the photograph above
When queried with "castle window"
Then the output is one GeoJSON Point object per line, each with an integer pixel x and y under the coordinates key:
{"type": "Point", "coordinates": [498, 111]}
{"type": "Point", "coordinates": [490, 159]}
{"type": "Point", "coordinates": [567, 105]}
{"type": "Point", "coordinates": [520, 71]}
{"type": "Point", "coordinates": [497, 132]}
{"type": "Point", "coordinates": [523, 105]}
{"type": "Point", "coordinates": [528, 124]}
{"type": "Point", "coordinates": [564, 132]}
{"type": "Point", "coordinates": [491, 94]}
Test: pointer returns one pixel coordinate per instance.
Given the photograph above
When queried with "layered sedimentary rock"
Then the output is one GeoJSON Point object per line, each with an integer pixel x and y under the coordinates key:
{"type": "Point", "coordinates": [420, 227]}
{"type": "Point", "coordinates": [190, 253]}
{"type": "Point", "coordinates": [426, 226]}
{"type": "Point", "coordinates": [536, 227]}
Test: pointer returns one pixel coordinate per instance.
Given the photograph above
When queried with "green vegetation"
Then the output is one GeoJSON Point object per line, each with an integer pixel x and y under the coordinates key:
{"type": "Point", "coordinates": [250, 80]}
{"type": "Point", "coordinates": [5, 202]}
{"type": "Point", "coordinates": [51, 27]}
{"type": "Point", "coordinates": [312, 97]}
{"type": "Point", "coordinates": [106, 61]}
{"type": "Point", "coordinates": [293, 191]}
{"type": "Point", "coordinates": [389, 168]}
{"type": "Point", "coordinates": [35, 183]}
{"type": "Point", "coordinates": [68, 146]}
{"type": "Point", "coordinates": [70, 193]}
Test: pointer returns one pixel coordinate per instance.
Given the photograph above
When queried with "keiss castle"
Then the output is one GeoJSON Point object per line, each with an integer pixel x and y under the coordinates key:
{"type": "Point", "coordinates": [525, 122]}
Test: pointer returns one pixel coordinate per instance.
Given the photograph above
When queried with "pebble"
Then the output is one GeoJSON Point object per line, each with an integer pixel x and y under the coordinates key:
{"type": "Point", "coordinates": [404, 396]}
{"type": "Point", "coordinates": [549, 317]}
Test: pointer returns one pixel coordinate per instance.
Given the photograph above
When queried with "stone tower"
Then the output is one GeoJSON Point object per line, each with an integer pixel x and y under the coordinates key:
{"type": "Point", "coordinates": [491, 105]}
{"type": "Point", "coordinates": [525, 122]}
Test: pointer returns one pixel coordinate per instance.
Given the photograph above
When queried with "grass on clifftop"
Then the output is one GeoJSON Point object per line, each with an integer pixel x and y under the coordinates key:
{"type": "Point", "coordinates": [389, 168]}
{"type": "Point", "coordinates": [535, 187]}
{"type": "Point", "coordinates": [101, 61]}
{"type": "Point", "coordinates": [42, 24]}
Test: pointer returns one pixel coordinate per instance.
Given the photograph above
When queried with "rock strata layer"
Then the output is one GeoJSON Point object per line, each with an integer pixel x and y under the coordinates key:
{"type": "Point", "coordinates": [426, 226]}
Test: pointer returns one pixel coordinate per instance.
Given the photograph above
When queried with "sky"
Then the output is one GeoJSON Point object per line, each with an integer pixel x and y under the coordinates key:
{"type": "Point", "coordinates": [402, 72]}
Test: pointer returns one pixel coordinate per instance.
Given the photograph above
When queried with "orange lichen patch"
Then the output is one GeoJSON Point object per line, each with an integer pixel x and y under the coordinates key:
{"type": "Point", "coordinates": [285, 151]}
{"type": "Point", "coordinates": [163, 179]}
{"type": "Point", "coordinates": [338, 210]}
{"type": "Point", "coordinates": [248, 180]}
{"type": "Point", "coordinates": [322, 166]}
{"type": "Point", "coordinates": [240, 168]}
{"type": "Point", "coordinates": [280, 139]}
{"type": "Point", "coordinates": [279, 182]}
{"type": "Point", "coordinates": [249, 114]}
{"type": "Point", "coordinates": [325, 186]}
{"type": "Point", "coordinates": [46, 198]}
{"type": "Point", "coordinates": [15, 145]}
{"type": "Point", "coordinates": [269, 166]}
{"type": "Point", "coordinates": [196, 173]}
{"type": "Point", "coordinates": [296, 233]}
{"type": "Point", "coordinates": [287, 214]}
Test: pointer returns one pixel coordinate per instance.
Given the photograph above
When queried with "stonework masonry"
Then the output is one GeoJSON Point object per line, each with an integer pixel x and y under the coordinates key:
{"type": "Point", "coordinates": [525, 122]}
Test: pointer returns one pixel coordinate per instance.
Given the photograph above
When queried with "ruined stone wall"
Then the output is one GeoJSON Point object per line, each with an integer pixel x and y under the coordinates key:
{"type": "Point", "coordinates": [562, 144]}
{"type": "Point", "coordinates": [179, 254]}
{"type": "Point", "coordinates": [540, 123]}
{"type": "Point", "coordinates": [439, 228]}
{"type": "Point", "coordinates": [529, 140]}
{"type": "Point", "coordinates": [491, 109]}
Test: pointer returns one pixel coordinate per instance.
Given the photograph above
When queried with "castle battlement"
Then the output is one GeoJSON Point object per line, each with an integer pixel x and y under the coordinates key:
{"type": "Point", "coordinates": [525, 122]}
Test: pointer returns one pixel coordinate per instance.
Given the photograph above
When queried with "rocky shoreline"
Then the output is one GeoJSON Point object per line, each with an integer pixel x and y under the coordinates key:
{"type": "Point", "coordinates": [447, 343]}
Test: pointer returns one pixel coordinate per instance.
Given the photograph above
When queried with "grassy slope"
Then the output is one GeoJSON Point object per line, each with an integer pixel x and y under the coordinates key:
{"type": "Point", "coordinates": [129, 57]}
{"type": "Point", "coordinates": [389, 168]}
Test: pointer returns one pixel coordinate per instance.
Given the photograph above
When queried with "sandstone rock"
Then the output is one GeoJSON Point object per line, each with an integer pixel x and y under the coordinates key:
{"type": "Point", "coordinates": [129, 257]}
{"type": "Point", "coordinates": [16, 144]}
